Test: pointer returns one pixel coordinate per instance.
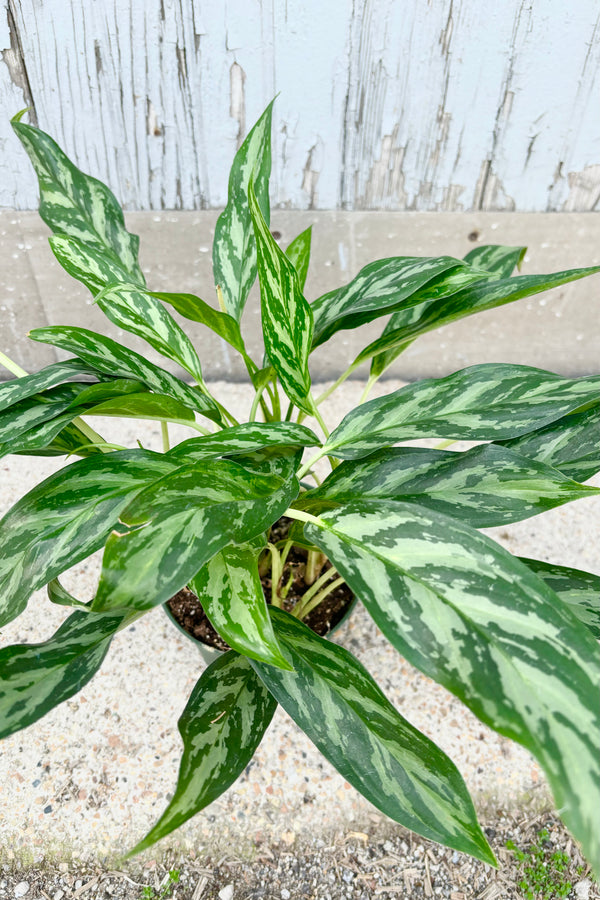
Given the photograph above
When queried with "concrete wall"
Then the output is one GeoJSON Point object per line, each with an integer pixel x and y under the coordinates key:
{"type": "Point", "coordinates": [447, 105]}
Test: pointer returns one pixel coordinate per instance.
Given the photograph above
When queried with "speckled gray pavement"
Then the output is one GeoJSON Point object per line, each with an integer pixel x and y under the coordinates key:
{"type": "Point", "coordinates": [93, 775]}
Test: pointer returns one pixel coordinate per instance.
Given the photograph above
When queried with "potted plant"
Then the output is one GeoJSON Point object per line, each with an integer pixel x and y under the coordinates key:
{"type": "Point", "coordinates": [397, 526]}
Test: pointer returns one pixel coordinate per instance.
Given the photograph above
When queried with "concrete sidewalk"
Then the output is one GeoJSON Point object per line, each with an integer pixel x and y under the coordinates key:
{"type": "Point", "coordinates": [93, 775]}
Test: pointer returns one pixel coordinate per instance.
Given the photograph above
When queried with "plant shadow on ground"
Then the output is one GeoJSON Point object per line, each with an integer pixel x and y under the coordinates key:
{"type": "Point", "coordinates": [383, 861]}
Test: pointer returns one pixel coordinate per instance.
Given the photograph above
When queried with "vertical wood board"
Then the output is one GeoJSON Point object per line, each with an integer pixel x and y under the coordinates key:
{"type": "Point", "coordinates": [448, 105]}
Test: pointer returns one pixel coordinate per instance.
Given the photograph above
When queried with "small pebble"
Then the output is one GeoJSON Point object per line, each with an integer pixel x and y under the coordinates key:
{"type": "Point", "coordinates": [21, 889]}
{"type": "Point", "coordinates": [58, 895]}
{"type": "Point", "coordinates": [226, 893]}
{"type": "Point", "coordinates": [582, 889]}
{"type": "Point", "coordinates": [285, 894]}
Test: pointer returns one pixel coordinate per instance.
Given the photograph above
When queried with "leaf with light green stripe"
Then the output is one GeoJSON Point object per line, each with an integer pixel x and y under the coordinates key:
{"type": "Point", "coordinates": [61, 596]}
{"type": "Point", "coordinates": [342, 710]}
{"type": "Point", "coordinates": [78, 205]}
{"type": "Point", "coordinates": [477, 620]}
{"type": "Point", "coordinates": [18, 389]}
{"type": "Point", "coordinates": [482, 487]}
{"type": "Point", "coordinates": [221, 726]}
{"type": "Point", "coordinates": [409, 324]}
{"type": "Point", "coordinates": [245, 438]}
{"type": "Point", "coordinates": [191, 307]}
{"type": "Point", "coordinates": [298, 253]}
{"type": "Point", "coordinates": [382, 287]}
{"type": "Point", "coordinates": [66, 518]}
{"type": "Point", "coordinates": [231, 594]}
{"type": "Point", "coordinates": [282, 461]}
{"type": "Point", "coordinates": [138, 312]}
{"type": "Point", "coordinates": [579, 590]}
{"type": "Point", "coordinates": [113, 358]}
{"type": "Point", "coordinates": [34, 678]}
{"type": "Point", "coordinates": [178, 525]}
{"type": "Point", "coordinates": [143, 406]}
{"type": "Point", "coordinates": [286, 315]}
{"type": "Point", "coordinates": [88, 263]}
{"type": "Point", "coordinates": [571, 444]}
{"type": "Point", "coordinates": [42, 436]}
{"type": "Point", "coordinates": [481, 403]}
{"type": "Point", "coordinates": [499, 260]}
{"type": "Point", "coordinates": [444, 285]}
{"type": "Point", "coordinates": [28, 414]}
{"type": "Point", "coordinates": [234, 247]}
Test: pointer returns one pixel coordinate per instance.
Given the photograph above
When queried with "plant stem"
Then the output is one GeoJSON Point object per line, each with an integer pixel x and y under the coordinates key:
{"type": "Point", "coordinates": [372, 380]}
{"type": "Point", "coordinates": [337, 383]}
{"type": "Point", "coordinates": [303, 516]}
{"type": "Point", "coordinates": [164, 430]}
{"type": "Point", "coordinates": [12, 366]}
{"type": "Point", "coordinates": [90, 434]}
{"type": "Point", "coordinates": [276, 571]}
{"type": "Point", "coordinates": [318, 598]}
{"type": "Point", "coordinates": [318, 416]}
{"type": "Point", "coordinates": [307, 466]}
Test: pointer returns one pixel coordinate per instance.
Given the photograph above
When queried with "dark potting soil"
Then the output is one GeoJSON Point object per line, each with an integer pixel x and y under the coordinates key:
{"type": "Point", "coordinates": [188, 612]}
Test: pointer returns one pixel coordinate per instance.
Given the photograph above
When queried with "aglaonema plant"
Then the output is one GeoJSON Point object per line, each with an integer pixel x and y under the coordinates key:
{"type": "Point", "coordinates": [515, 639]}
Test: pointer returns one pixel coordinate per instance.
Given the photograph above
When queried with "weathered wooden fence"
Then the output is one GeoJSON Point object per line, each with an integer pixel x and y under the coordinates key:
{"type": "Point", "coordinates": [383, 104]}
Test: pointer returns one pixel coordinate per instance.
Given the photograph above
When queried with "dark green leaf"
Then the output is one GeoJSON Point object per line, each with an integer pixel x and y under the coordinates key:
{"type": "Point", "coordinates": [78, 205]}
{"type": "Point", "coordinates": [195, 309]}
{"type": "Point", "coordinates": [222, 725]}
{"type": "Point", "coordinates": [138, 312]}
{"type": "Point", "coordinates": [179, 524]}
{"type": "Point", "coordinates": [482, 486]}
{"type": "Point", "coordinates": [571, 444]}
{"type": "Point", "coordinates": [114, 359]}
{"type": "Point", "coordinates": [66, 518]}
{"type": "Point", "coordinates": [380, 288]}
{"type": "Point", "coordinates": [244, 438]}
{"type": "Point", "coordinates": [34, 678]}
{"type": "Point", "coordinates": [499, 260]}
{"type": "Point", "coordinates": [234, 247]}
{"type": "Point", "coordinates": [231, 594]}
{"type": "Point", "coordinates": [486, 402]}
{"type": "Point", "coordinates": [286, 315]}
{"type": "Point", "coordinates": [409, 324]}
{"type": "Point", "coordinates": [478, 621]}
{"type": "Point", "coordinates": [579, 590]}
{"type": "Point", "coordinates": [298, 253]}
{"type": "Point", "coordinates": [336, 702]}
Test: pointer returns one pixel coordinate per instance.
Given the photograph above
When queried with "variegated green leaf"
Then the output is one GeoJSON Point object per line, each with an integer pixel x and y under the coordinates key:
{"type": "Point", "coordinates": [78, 205]}
{"type": "Point", "coordinates": [446, 284]}
{"type": "Point", "coordinates": [571, 444]}
{"type": "Point", "coordinates": [579, 590]}
{"type": "Point", "coordinates": [477, 620]}
{"type": "Point", "coordinates": [486, 402]}
{"type": "Point", "coordinates": [222, 725]}
{"type": "Point", "coordinates": [380, 288]}
{"type": "Point", "coordinates": [107, 390]}
{"type": "Point", "coordinates": [180, 524]}
{"type": "Point", "coordinates": [409, 324]}
{"type": "Point", "coordinates": [18, 389]}
{"type": "Point", "coordinates": [34, 678]}
{"type": "Point", "coordinates": [43, 435]}
{"type": "Point", "coordinates": [298, 254]}
{"type": "Point", "coordinates": [138, 312]}
{"type": "Point", "coordinates": [231, 594]}
{"type": "Point", "coordinates": [286, 315]}
{"type": "Point", "coordinates": [66, 518]}
{"type": "Point", "coordinates": [245, 438]}
{"type": "Point", "coordinates": [143, 406]}
{"type": "Point", "coordinates": [234, 247]}
{"type": "Point", "coordinates": [482, 486]}
{"type": "Point", "coordinates": [113, 358]}
{"type": "Point", "coordinates": [191, 307]}
{"type": "Point", "coordinates": [88, 263]}
{"type": "Point", "coordinates": [28, 414]}
{"type": "Point", "coordinates": [281, 461]}
{"type": "Point", "coordinates": [499, 260]}
{"type": "Point", "coordinates": [336, 702]}
{"type": "Point", "coordinates": [58, 594]}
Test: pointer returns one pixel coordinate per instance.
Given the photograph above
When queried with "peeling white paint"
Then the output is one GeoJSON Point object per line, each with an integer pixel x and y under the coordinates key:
{"type": "Point", "coordinates": [452, 105]}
